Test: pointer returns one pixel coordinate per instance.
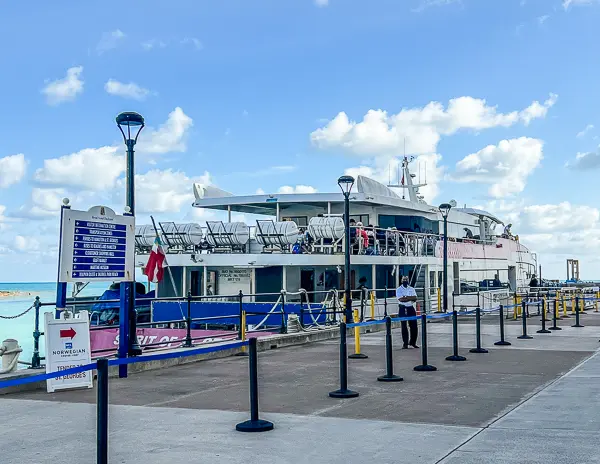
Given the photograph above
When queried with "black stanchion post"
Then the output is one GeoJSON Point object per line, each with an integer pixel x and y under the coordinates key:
{"type": "Point", "coordinates": [385, 314]}
{"type": "Point", "coordinates": [343, 392]}
{"type": "Point", "coordinates": [241, 309]}
{"type": "Point", "coordinates": [502, 341]}
{"type": "Point", "coordinates": [424, 367]}
{"type": "Point", "coordinates": [362, 305]}
{"type": "Point", "coordinates": [389, 360]}
{"type": "Point", "coordinates": [555, 317]}
{"type": "Point", "coordinates": [479, 349]}
{"type": "Point", "coordinates": [102, 412]}
{"type": "Point", "coordinates": [335, 306]}
{"type": "Point", "coordinates": [577, 324]}
{"type": "Point", "coordinates": [524, 318]}
{"type": "Point", "coordinates": [254, 424]}
{"type": "Point", "coordinates": [283, 326]}
{"type": "Point", "coordinates": [544, 330]}
{"type": "Point", "coordinates": [188, 322]}
{"type": "Point", "coordinates": [35, 358]}
{"type": "Point", "coordinates": [455, 356]}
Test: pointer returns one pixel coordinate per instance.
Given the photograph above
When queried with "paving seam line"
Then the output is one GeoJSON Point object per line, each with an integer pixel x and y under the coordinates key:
{"type": "Point", "coordinates": [518, 405]}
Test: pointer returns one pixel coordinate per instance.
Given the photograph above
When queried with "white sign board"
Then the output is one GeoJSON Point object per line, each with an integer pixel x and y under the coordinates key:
{"type": "Point", "coordinates": [232, 280]}
{"type": "Point", "coordinates": [96, 245]}
{"type": "Point", "coordinates": [67, 346]}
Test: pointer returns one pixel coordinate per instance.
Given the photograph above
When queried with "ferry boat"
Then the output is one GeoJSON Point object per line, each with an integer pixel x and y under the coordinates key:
{"type": "Point", "coordinates": [297, 246]}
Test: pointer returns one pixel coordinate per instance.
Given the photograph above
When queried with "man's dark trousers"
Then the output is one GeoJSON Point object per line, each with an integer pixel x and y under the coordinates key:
{"type": "Point", "coordinates": [408, 311]}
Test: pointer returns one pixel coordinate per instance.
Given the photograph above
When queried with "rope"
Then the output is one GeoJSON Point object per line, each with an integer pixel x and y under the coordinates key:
{"type": "Point", "coordinates": [271, 311]}
{"type": "Point", "coordinates": [18, 315]}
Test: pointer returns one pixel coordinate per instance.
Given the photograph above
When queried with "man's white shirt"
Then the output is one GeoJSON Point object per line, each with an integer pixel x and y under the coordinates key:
{"type": "Point", "coordinates": [405, 291]}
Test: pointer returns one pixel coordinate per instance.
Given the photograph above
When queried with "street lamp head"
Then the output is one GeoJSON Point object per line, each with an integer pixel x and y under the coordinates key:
{"type": "Point", "coordinates": [346, 183]}
{"type": "Point", "coordinates": [129, 120]}
{"type": "Point", "coordinates": [445, 209]}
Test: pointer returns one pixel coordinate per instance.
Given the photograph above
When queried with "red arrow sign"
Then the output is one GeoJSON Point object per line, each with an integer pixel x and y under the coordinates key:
{"type": "Point", "coordinates": [69, 333]}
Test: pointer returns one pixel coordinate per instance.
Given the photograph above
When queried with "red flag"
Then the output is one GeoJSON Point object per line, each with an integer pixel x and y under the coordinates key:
{"type": "Point", "coordinates": [156, 262]}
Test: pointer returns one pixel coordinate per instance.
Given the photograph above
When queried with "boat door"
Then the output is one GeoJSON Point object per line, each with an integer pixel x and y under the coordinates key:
{"type": "Point", "coordinates": [307, 282]}
{"type": "Point", "coordinates": [512, 278]}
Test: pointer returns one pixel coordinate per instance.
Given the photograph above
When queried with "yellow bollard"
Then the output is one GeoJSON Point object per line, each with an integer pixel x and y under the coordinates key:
{"type": "Point", "coordinates": [517, 309]}
{"type": "Point", "coordinates": [372, 306]}
{"type": "Point", "coordinates": [243, 334]}
{"type": "Point", "coordinates": [564, 305]}
{"type": "Point", "coordinates": [596, 302]}
{"type": "Point", "coordinates": [572, 305]}
{"type": "Point", "coordinates": [439, 298]}
{"type": "Point", "coordinates": [357, 354]}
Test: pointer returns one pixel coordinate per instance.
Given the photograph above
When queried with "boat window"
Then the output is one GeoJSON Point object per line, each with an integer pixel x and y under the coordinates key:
{"type": "Point", "coordinates": [364, 218]}
{"type": "Point", "coordinates": [409, 223]}
{"type": "Point", "coordinates": [301, 221]}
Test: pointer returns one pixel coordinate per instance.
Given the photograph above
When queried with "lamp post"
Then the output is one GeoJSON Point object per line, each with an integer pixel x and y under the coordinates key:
{"type": "Point", "coordinates": [346, 183]}
{"type": "Point", "coordinates": [445, 209]}
{"type": "Point", "coordinates": [128, 123]}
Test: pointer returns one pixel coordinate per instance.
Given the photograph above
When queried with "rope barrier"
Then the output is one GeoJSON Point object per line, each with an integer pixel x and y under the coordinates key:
{"type": "Point", "coordinates": [18, 315]}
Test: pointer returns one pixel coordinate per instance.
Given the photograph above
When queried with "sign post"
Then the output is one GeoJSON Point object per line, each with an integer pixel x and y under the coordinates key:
{"type": "Point", "coordinates": [67, 346]}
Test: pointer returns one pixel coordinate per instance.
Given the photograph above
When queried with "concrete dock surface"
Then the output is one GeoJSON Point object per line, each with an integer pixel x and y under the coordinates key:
{"type": "Point", "coordinates": [536, 401]}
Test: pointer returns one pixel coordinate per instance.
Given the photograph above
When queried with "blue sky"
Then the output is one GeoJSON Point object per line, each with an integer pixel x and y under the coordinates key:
{"type": "Point", "coordinates": [246, 94]}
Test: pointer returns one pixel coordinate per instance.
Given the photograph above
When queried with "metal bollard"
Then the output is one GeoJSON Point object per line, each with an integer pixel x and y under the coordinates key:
{"type": "Point", "coordinates": [102, 412]}
{"type": "Point", "coordinates": [389, 361]}
{"type": "Point", "coordinates": [455, 356]}
{"type": "Point", "coordinates": [188, 322]}
{"type": "Point", "coordinates": [424, 367]}
{"type": "Point", "coordinates": [35, 358]}
{"type": "Point", "coordinates": [544, 330]}
{"type": "Point", "coordinates": [242, 352]}
{"type": "Point", "coordinates": [343, 392]}
{"type": "Point", "coordinates": [385, 314]}
{"type": "Point", "coordinates": [479, 349]}
{"type": "Point", "coordinates": [357, 354]}
{"type": "Point", "coordinates": [555, 317]}
{"type": "Point", "coordinates": [577, 324]}
{"type": "Point", "coordinates": [254, 424]}
{"type": "Point", "coordinates": [544, 304]}
{"type": "Point", "coordinates": [524, 318]}
{"type": "Point", "coordinates": [283, 329]}
{"type": "Point", "coordinates": [502, 341]}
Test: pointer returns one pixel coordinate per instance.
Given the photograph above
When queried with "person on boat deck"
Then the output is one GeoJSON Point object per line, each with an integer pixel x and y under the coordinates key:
{"type": "Point", "coordinates": [362, 233]}
{"type": "Point", "coordinates": [496, 283]}
{"type": "Point", "coordinates": [468, 233]}
{"type": "Point", "coordinates": [407, 297]}
{"type": "Point", "coordinates": [362, 287]}
{"type": "Point", "coordinates": [507, 233]}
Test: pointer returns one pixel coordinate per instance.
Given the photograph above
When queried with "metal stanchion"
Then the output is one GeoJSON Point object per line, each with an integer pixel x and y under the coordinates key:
{"type": "Point", "coordinates": [385, 314]}
{"type": "Point", "coordinates": [455, 356]}
{"type": "Point", "coordinates": [102, 412]}
{"type": "Point", "coordinates": [389, 361]}
{"type": "Point", "coordinates": [502, 341]}
{"type": "Point", "coordinates": [524, 318]}
{"type": "Point", "coordinates": [242, 352]}
{"type": "Point", "coordinates": [555, 317]}
{"type": "Point", "coordinates": [283, 329]}
{"type": "Point", "coordinates": [424, 367]}
{"type": "Point", "coordinates": [254, 424]}
{"type": "Point", "coordinates": [479, 349]}
{"type": "Point", "coordinates": [357, 354]}
{"type": "Point", "coordinates": [343, 392]}
{"type": "Point", "coordinates": [544, 330]}
{"type": "Point", "coordinates": [188, 323]}
{"type": "Point", "coordinates": [577, 324]}
{"type": "Point", "coordinates": [544, 310]}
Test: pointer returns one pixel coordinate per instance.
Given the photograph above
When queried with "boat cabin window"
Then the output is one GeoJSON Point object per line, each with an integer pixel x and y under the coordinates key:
{"type": "Point", "coordinates": [301, 221]}
{"type": "Point", "coordinates": [417, 224]}
{"type": "Point", "coordinates": [364, 218]}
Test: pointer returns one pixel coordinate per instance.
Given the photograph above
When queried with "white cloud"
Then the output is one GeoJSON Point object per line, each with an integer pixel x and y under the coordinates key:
{"type": "Point", "coordinates": [26, 243]}
{"type": "Point", "coordinates": [584, 161]}
{"type": "Point", "coordinates": [194, 41]}
{"type": "Point", "coordinates": [321, 3]}
{"type": "Point", "coordinates": [430, 3]}
{"type": "Point", "coordinates": [562, 217]}
{"type": "Point", "coordinates": [582, 133]}
{"type": "Point", "coordinates": [260, 191]}
{"type": "Point", "coordinates": [88, 169]}
{"type": "Point", "coordinates": [297, 189]}
{"type": "Point", "coordinates": [165, 191]}
{"type": "Point", "coordinates": [65, 89]}
{"type": "Point", "coordinates": [420, 128]}
{"type": "Point", "coordinates": [567, 3]}
{"type": "Point", "coordinates": [130, 90]}
{"type": "Point", "coordinates": [153, 43]}
{"type": "Point", "coordinates": [542, 19]}
{"type": "Point", "coordinates": [110, 40]}
{"type": "Point", "coordinates": [506, 166]}
{"type": "Point", "coordinates": [12, 169]}
{"type": "Point", "coordinates": [169, 137]}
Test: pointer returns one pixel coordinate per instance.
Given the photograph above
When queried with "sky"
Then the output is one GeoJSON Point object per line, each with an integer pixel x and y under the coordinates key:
{"type": "Point", "coordinates": [496, 100]}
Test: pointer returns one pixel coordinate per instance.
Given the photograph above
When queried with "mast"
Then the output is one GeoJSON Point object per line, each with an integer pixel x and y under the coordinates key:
{"type": "Point", "coordinates": [406, 183]}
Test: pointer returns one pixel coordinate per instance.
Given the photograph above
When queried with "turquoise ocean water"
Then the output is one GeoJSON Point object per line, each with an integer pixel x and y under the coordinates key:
{"type": "Point", "coordinates": [21, 328]}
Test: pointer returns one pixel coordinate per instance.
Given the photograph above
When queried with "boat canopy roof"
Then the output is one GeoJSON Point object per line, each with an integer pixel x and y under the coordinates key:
{"type": "Point", "coordinates": [480, 212]}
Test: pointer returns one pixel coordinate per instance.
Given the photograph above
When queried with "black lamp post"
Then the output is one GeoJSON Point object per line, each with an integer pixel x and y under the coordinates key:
{"type": "Point", "coordinates": [346, 183]}
{"type": "Point", "coordinates": [126, 122]}
{"type": "Point", "coordinates": [445, 209]}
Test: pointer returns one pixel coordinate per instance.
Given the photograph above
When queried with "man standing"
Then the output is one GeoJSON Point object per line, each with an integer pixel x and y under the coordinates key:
{"type": "Point", "coordinates": [407, 297]}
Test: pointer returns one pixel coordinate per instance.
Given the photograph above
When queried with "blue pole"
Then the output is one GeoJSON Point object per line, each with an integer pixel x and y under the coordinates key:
{"type": "Point", "coordinates": [61, 287]}
{"type": "Point", "coordinates": [124, 328]}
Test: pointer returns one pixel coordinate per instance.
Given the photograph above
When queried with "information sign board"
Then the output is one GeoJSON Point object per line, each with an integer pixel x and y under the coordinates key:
{"type": "Point", "coordinates": [67, 346]}
{"type": "Point", "coordinates": [96, 245]}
